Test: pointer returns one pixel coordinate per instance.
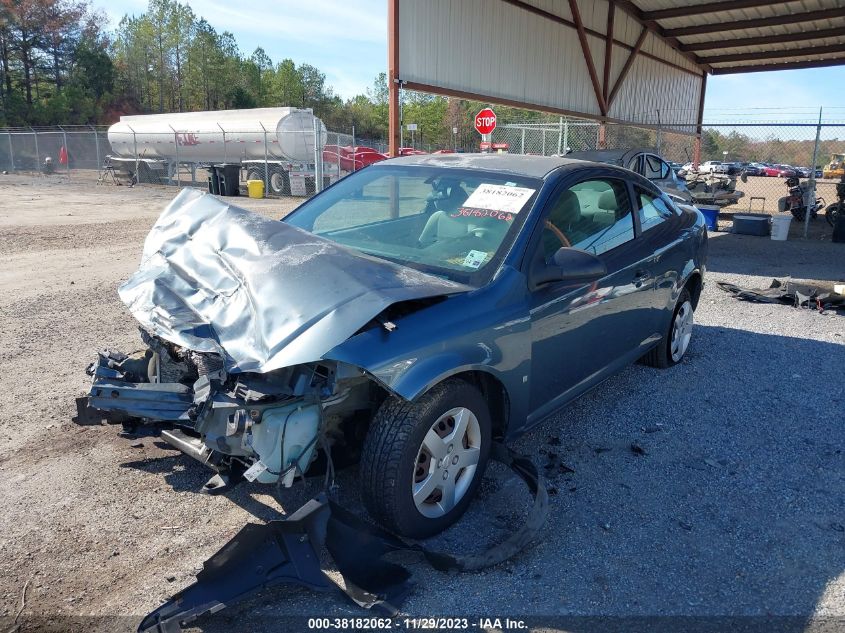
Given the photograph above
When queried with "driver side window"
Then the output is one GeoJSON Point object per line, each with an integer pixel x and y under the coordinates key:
{"type": "Point", "coordinates": [594, 215]}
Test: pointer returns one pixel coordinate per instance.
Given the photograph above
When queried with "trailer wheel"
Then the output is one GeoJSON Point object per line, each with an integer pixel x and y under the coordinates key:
{"type": "Point", "coordinates": [255, 173]}
{"type": "Point", "coordinates": [279, 181]}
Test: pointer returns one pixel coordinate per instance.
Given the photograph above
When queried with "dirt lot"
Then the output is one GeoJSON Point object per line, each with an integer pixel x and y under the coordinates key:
{"type": "Point", "coordinates": [737, 506]}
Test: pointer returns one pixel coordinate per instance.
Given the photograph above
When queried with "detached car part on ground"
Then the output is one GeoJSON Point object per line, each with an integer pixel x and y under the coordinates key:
{"type": "Point", "coordinates": [407, 317]}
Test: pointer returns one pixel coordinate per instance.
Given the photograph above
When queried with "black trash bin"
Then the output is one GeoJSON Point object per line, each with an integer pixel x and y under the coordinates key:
{"type": "Point", "coordinates": [229, 177]}
{"type": "Point", "coordinates": [213, 182]}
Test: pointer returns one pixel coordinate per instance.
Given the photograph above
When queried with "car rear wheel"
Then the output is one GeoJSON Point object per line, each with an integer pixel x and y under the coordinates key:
{"type": "Point", "coordinates": [423, 461]}
{"type": "Point", "coordinates": [675, 342]}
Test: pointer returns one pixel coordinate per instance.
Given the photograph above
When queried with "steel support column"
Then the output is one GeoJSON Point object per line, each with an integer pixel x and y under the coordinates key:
{"type": "Point", "coordinates": [696, 152]}
{"type": "Point", "coordinates": [393, 76]}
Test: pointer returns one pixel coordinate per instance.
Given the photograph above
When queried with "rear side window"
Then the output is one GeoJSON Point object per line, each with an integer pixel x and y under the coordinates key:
{"type": "Point", "coordinates": [652, 210]}
{"type": "Point", "coordinates": [594, 215]}
{"type": "Point", "coordinates": [655, 168]}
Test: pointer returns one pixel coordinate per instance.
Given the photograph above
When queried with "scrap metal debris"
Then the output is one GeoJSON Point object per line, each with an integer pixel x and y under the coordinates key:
{"type": "Point", "coordinates": [789, 293]}
{"type": "Point", "coordinates": [287, 551]}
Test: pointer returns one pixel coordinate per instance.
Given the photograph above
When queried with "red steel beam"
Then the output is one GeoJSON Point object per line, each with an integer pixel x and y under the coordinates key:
{"type": "Point", "coordinates": [628, 63]}
{"type": "Point", "coordinates": [761, 40]}
{"type": "Point", "coordinates": [700, 9]}
{"type": "Point", "coordinates": [569, 23]}
{"type": "Point", "coordinates": [765, 55]}
{"type": "Point", "coordinates": [756, 23]}
{"type": "Point", "coordinates": [816, 63]}
{"type": "Point", "coordinates": [634, 11]}
{"type": "Point", "coordinates": [608, 49]}
{"type": "Point", "coordinates": [393, 76]}
{"type": "Point", "coordinates": [588, 56]}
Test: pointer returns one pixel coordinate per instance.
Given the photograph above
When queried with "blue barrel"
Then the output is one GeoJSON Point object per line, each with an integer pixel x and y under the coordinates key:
{"type": "Point", "coordinates": [711, 217]}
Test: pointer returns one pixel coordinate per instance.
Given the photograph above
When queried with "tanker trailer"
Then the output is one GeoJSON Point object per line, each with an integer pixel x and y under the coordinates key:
{"type": "Point", "coordinates": [276, 142]}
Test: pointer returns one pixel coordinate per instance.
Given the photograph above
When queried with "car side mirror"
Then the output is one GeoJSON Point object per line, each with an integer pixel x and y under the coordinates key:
{"type": "Point", "coordinates": [569, 264]}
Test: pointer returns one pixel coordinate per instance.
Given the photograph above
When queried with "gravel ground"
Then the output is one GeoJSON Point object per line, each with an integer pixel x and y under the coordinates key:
{"type": "Point", "coordinates": [737, 506]}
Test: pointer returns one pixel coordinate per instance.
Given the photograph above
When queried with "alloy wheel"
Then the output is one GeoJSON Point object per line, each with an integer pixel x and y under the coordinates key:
{"type": "Point", "coordinates": [446, 462]}
{"type": "Point", "coordinates": [681, 331]}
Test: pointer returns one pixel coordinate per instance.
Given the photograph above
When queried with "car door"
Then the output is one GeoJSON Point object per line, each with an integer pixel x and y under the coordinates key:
{"type": "Point", "coordinates": [581, 333]}
{"type": "Point", "coordinates": [661, 235]}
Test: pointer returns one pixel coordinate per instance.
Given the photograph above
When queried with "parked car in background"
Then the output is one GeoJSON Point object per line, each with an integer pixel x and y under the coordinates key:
{"type": "Point", "coordinates": [713, 167]}
{"type": "Point", "coordinates": [803, 172]}
{"type": "Point", "coordinates": [780, 171]}
{"type": "Point", "coordinates": [407, 331]}
{"type": "Point", "coordinates": [750, 169]}
{"type": "Point", "coordinates": [646, 163]}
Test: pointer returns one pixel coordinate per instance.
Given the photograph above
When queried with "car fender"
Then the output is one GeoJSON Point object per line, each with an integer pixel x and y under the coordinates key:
{"type": "Point", "coordinates": [450, 338]}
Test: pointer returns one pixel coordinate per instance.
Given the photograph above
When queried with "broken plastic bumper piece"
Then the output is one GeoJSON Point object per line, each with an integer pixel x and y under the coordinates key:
{"type": "Point", "coordinates": [287, 551]}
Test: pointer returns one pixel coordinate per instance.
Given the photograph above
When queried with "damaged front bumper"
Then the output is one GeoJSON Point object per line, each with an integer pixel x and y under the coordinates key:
{"type": "Point", "coordinates": [262, 427]}
{"type": "Point", "coordinates": [288, 551]}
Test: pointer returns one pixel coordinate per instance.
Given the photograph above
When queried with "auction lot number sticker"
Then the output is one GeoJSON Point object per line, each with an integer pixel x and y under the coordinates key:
{"type": "Point", "coordinates": [498, 198]}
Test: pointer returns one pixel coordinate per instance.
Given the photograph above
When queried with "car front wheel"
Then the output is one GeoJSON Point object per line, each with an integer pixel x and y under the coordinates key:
{"type": "Point", "coordinates": [675, 342]}
{"type": "Point", "coordinates": [423, 461]}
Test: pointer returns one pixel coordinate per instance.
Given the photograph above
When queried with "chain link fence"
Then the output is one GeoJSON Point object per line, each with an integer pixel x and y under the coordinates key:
{"type": "Point", "coordinates": [170, 157]}
{"type": "Point", "coordinates": [768, 152]}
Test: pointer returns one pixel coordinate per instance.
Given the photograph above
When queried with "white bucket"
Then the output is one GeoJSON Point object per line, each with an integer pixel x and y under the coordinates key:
{"type": "Point", "coordinates": [780, 227]}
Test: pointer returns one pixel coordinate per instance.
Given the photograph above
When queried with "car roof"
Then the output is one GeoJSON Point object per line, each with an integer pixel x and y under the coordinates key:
{"type": "Point", "coordinates": [517, 164]}
{"type": "Point", "coordinates": [614, 156]}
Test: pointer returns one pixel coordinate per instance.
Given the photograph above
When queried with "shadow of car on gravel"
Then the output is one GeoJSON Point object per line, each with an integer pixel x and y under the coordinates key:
{"type": "Point", "coordinates": [734, 507]}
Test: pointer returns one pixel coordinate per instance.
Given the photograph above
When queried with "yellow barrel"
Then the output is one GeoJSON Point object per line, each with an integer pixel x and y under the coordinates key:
{"type": "Point", "coordinates": [255, 188]}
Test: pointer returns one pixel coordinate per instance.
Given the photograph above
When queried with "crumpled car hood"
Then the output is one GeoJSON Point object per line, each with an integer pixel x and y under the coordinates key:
{"type": "Point", "coordinates": [260, 292]}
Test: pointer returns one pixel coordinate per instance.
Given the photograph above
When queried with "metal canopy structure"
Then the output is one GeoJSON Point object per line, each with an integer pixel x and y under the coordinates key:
{"type": "Point", "coordinates": [740, 36]}
{"type": "Point", "coordinates": [643, 62]}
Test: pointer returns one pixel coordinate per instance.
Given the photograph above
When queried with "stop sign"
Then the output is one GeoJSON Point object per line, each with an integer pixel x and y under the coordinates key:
{"type": "Point", "coordinates": [485, 121]}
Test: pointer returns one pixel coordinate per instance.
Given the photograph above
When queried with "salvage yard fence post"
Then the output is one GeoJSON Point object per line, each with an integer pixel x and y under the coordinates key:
{"type": "Point", "coordinates": [176, 146]}
{"type": "Point", "coordinates": [810, 196]}
{"type": "Point", "coordinates": [96, 146]}
{"type": "Point", "coordinates": [135, 149]}
{"type": "Point", "coordinates": [11, 152]}
{"type": "Point", "coordinates": [67, 153]}
{"type": "Point", "coordinates": [318, 158]}
{"type": "Point", "coordinates": [266, 166]}
{"type": "Point", "coordinates": [37, 153]}
{"type": "Point", "coordinates": [225, 157]}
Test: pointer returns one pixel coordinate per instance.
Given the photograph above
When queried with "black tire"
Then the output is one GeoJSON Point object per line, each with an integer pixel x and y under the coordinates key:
{"type": "Point", "coordinates": [279, 181]}
{"type": "Point", "coordinates": [255, 173]}
{"type": "Point", "coordinates": [660, 356]}
{"type": "Point", "coordinates": [389, 461]}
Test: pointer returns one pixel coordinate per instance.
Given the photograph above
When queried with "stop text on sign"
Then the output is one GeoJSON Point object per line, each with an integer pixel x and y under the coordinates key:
{"type": "Point", "coordinates": [485, 121]}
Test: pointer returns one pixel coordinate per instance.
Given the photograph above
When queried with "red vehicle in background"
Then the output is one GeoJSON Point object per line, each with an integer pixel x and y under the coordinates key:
{"type": "Point", "coordinates": [781, 171]}
{"type": "Point", "coordinates": [410, 151]}
{"type": "Point", "coordinates": [351, 158]}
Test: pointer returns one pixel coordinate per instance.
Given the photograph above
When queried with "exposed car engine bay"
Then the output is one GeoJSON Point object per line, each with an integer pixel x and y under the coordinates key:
{"type": "Point", "coordinates": [267, 427]}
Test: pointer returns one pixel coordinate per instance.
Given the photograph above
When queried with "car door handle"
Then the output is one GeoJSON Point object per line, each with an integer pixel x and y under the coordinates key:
{"type": "Point", "coordinates": [640, 277]}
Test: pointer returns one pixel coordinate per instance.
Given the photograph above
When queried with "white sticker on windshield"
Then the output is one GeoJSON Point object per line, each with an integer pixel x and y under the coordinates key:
{"type": "Point", "coordinates": [498, 198]}
{"type": "Point", "coordinates": [474, 259]}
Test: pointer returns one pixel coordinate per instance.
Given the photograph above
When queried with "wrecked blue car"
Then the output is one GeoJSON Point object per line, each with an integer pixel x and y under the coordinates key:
{"type": "Point", "coordinates": [405, 318]}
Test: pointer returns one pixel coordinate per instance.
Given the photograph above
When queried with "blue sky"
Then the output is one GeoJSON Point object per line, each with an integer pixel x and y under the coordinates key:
{"type": "Point", "coordinates": [347, 40]}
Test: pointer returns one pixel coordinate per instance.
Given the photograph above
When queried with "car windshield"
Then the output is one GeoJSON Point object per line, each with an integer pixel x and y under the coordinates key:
{"type": "Point", "coordinates": [455, 223]}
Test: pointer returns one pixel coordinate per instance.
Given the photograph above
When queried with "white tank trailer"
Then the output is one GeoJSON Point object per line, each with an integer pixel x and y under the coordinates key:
{"type": "Point", "coordinates": [279, 140]}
